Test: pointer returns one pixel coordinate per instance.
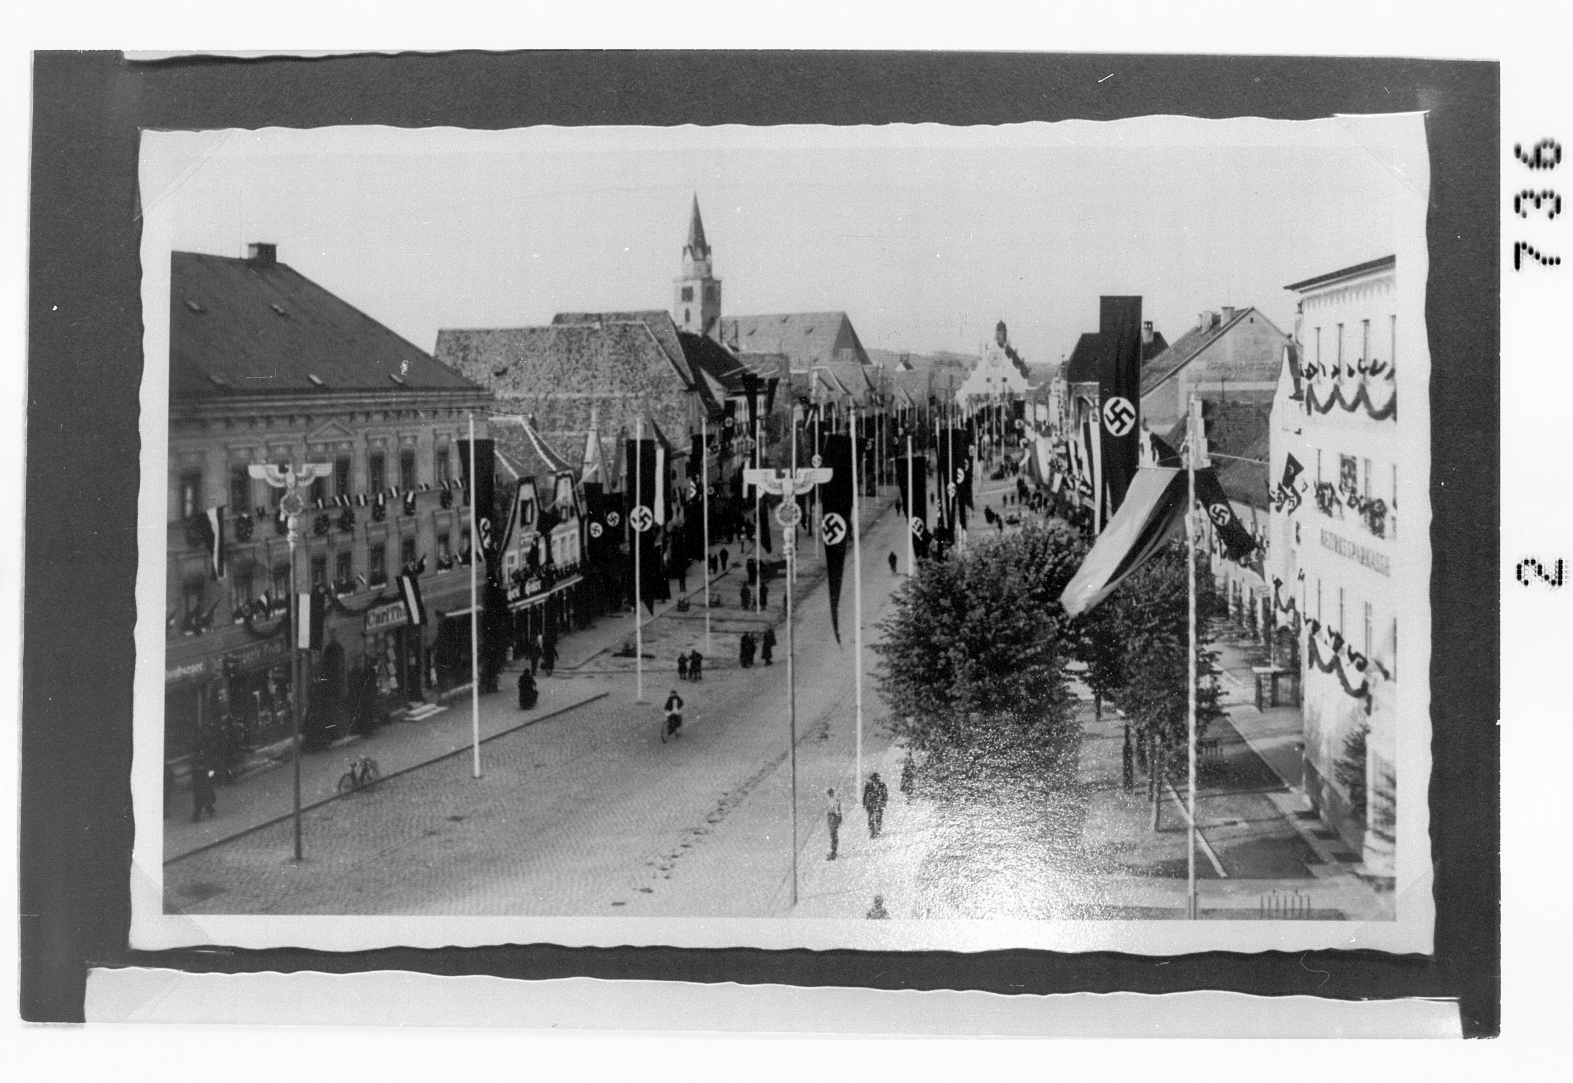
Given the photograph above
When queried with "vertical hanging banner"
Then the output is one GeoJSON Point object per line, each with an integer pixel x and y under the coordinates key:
{"type": "Point", "coordinates": [311, 613]}
{"type": "Point", "coordinates": [914, 505]}
{"type": "Point", "coordinates": [1119, 395]}
{"type": "Point", "coordinates": [645, 487]}
{"type": "Point", "coordinates": [836, 526]}
{"type": "Point", "coordinates": [482, 490]}
{"type": "Point", "coordinates": [960, 460]}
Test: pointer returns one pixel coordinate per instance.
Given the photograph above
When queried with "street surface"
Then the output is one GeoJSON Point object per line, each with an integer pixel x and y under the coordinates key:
{"type": "Point", "coordinates": [588, 813]}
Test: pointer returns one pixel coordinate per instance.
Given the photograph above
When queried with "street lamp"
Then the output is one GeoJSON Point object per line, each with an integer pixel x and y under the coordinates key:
{"type": "Point", "coordinates": [292, 504]}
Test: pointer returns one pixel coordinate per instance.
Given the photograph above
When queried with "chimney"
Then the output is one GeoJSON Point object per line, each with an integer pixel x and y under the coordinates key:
{"type": "Point", "coordinates": [1228, 313]}
{"type": "Point", "coordinates": [260, 254]}
{"type": "Point", "coordinates": [1146, 332]}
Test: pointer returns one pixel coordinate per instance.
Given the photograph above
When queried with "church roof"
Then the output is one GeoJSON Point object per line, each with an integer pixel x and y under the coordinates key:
{"type": "Point", "coordinates": [696, 233]}
{"type": "Point", "coordinates": [679, 353]}
{"type": "Point", "coordinates": [806, 338]}
{"type": "Point", "coordinates": [259, 327]}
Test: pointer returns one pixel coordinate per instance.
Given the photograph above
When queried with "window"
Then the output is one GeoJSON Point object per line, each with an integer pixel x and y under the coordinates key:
{"type": "Point", "coordinates": [444, 547]}
{"type": "Point", "coordinates": [686, 317]}
{"type": "Point", "coordinates": [1365, 478]}
{"type": "Point", "coordinates": [1365, 340]}
{"type": "Point", "coordinates": [712, 292]}
{"type": "Point", "coordinates": [407, 550]}
{"type": "Point", "coordinates": [190, 494]}
{"type": "Point", "coordinates": [377, 565]}
{"type": "Point", "coordinates": [441, 467]}
{"type": "Point", "coordinates": [688, 293]}
{"type": "Point", "coordinates": [1392, 339]}
{"type": "Point", "coordinates": [1319, 466]}
{"type": "Point", "coordinates": [377, 473]}
{"type": "Point", "coordinates": [1395, 648]}
{"type": "Point", "coordinates": [1348, 474]}
{"type": "Point", "coordinates": [319, 492]}
{"type": "Point", "coordinates": [1367, 651]}
{"type": "Point", "coordinates": [407, 468]}
{"type": "Point", "coordinates": [243, 584]}
{"type": "Point", "coordinates": [280, 589]}
{"type": "Point", "coordinates": [1340, 610]}
{"type": "Point", "coordinates": [1318, 598]}
{"type": "Point", "coordinates": [341, 476]}
{"type": "Point", "coordinates": [191, 592]}
{"type": "Point", "coordinates": [239, 490]}
{"type": "Point", "coordinates": [1319, 347]}
{"type": "Point", "coordinates": [319, 570]}
{"type": "Point", "coordinates": [1340, 347]}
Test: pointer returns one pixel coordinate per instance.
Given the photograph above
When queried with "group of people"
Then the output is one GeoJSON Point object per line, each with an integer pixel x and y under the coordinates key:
{"type": "Point", "coordinates": [875, 797]}
{"type": "Point", "coordinates": [690, 666]}
{"type": "Point", "coordinates": [765, 645]}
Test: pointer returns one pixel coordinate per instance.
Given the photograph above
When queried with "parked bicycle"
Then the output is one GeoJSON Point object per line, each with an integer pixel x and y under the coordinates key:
{"type": "Point", "coordinates": [363, 772]}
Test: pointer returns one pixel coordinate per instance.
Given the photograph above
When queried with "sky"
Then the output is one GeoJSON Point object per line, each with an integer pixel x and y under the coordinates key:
{"type": "Point", "coordinates": [925, 235]}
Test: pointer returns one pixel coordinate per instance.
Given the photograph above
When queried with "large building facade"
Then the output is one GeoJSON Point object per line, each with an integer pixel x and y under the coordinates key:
{"type": "Point", "coordinates": [267, 367]}
{"type": "Point", "coordinates": [1336, 475]}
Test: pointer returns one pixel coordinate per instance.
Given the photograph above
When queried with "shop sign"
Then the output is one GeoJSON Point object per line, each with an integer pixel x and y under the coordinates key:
{"type": "Point", "coordinates": [186, 671]}
{"type": "Point", "coordinates": [1360, 554]}
{"type": "Point", "coordinates": [253, 656]}
{"type": "Point", "coordinates": [391, 615]}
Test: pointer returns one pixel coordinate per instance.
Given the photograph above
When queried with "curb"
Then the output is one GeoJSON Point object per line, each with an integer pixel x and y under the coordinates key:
{"type": "Point", "coordinates": [385, 778]}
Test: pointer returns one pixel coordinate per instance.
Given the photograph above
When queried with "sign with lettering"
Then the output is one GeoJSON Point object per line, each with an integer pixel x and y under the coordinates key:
{"type": "Point", "coordinates": [186, 671]}
{"type": "Point", "coordinates": [1360, 554]}
{"type": "Point", "coordinates": [390, 615]}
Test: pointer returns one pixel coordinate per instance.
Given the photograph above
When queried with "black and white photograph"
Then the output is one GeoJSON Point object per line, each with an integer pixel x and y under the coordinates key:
{"type": "Point", "coordinates": [898, 536]}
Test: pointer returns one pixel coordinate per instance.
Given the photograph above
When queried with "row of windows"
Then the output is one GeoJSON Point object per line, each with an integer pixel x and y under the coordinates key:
{"type": "Point", "coordinates": [247, 584]}
{"type": "Point", "coordinates": [1367, 630]}
{"type": "Point", "coordinates": [242, 486]}
{"type": "Point", "coordinates": [1365, 341]}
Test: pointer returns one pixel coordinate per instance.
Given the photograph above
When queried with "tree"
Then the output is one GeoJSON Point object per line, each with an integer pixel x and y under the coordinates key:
{"type": "Point", "coordinates": [1144, 624]}
{"type": "Point", "coordinates": [973, 657]}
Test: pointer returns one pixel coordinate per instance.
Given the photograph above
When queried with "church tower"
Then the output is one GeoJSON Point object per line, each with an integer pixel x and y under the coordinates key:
{"type": "Point", "coordinates": [696, 304]}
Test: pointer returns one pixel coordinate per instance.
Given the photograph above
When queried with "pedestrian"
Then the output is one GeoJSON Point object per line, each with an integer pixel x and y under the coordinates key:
{"type": "Point", "coordinates": [532, 651]}
{"type": "Point", "coordinates": [710, 562]}
{"type": "Point", "coordinates": [682, 666]}
{"type": "Point", "coordinates": [767, 644]}
{"type": "Point", "coordinates": [892, 562]}
{"type": "Point", "coordinates": [833, 820]}
{"type": "Point", "coordinates": [745, 651]}
{"type": "Point", "coordinates": [724, 557]}
{"type": "Point", "coordinates": [764, 594]}
{"type": "Point", "coordinates": [875, 796]}
{"type": "Point", "coordinates": [752, 567]}
{"type": "Point", "coordinates": [548, 656]}
{"type": "Point", "coordinates": [682, 578]}
{"type": "Point", "coordinates": [696, 666]}
{"type": "Point", "coordinates": [908, 775]}
{"type": "Point", "coordinates": [877, 912]}
{"type": "Point", "coordinates": [528, 693]}
{"type": "Point", "coordinates": [203, 797]}
{"type": "Point", "coordinates": [746, 597]}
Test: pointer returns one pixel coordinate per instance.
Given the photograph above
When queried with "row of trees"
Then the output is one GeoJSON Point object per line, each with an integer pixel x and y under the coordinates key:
{"type": "Point", "coordinates": [976, 654]}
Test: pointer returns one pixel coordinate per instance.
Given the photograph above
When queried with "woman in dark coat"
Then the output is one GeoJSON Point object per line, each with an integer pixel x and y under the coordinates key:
{"type": "Point", "coordinates": [528, 693]}
{"type": "Point", "coordinates": [746, 650]}
{"type": "Point", "coordinates": [768, 645]}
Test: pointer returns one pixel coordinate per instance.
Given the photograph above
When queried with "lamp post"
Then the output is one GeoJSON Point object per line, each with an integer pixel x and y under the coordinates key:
{"type": "Point", "coordinates": [292, 505]}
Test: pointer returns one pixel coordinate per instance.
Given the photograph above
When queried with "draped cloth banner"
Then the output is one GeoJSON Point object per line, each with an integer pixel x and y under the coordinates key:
{"type": "Point", "coordinates": [1151, 515]}
{"type": "Point", "coordinates": [914, 506]}
{"type": "Point", "coordinates": [1119, 395]}
{"type": "Point", "coordinates": [645, 488]}
{"type": "Point", "coordinates": [836, 526]}
{"type": "Point", "coordinates": [1238, 544]}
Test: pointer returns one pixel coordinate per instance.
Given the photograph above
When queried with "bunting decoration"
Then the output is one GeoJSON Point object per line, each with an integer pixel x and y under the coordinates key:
{"type": "Point", "coordinates": [1349, 387]}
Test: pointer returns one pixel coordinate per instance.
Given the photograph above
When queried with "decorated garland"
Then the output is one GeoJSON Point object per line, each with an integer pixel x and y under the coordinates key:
{"type": "Point", "coordinates": [1362, 397]}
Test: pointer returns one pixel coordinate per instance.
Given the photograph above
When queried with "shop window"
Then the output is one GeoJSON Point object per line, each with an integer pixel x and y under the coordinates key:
{"type": "Point", "coordinates": [377, 472]}
{"type": "Point", "coordinates": [280, 589]}
{"type": "Point", "coordinates": [239, 490]}
{"type": "Point", "coordinates": [341, 476]}
{"type": "Point", "coordinates": [407, 468]}
{"type": "Point", "coordinates": [319, 570]}
{"type": "Point", "coordinates": [190, 495]}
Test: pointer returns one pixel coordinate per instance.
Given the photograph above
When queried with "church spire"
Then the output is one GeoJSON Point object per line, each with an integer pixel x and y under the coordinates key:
{"type": "Point", "coordinates": [696, 248]}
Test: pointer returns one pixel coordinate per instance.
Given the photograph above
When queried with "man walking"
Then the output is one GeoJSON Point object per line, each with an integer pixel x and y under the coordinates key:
{"type": "Point", "coordinates": [892, 563]}
{"type": "Point", "coordinates": [875, 795]}
{"type": "Point", "coordinates": [203, 797]}
{"type": "Point", "coordinates": [833, 820]}
{"type": "Point", "coordinates": [724, 557]}
{"type": "Point", "coordinates": [767, 643]}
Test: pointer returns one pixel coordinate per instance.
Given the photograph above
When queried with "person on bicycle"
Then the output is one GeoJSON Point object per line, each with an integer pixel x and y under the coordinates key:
{"type": "Point", "coordinates": [674, 713]}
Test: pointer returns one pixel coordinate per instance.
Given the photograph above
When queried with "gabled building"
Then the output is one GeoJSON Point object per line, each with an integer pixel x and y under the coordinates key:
{"type": "Point", "coordinates": [1231, 355]}
{"type": "Point", "coordinates": [999, 376]}
{"type": "Point", "coordinates": [267, 366]}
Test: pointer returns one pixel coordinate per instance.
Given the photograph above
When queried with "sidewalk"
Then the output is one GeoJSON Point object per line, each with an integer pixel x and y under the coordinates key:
{"type": "Point", "coordinates": [266, 796]}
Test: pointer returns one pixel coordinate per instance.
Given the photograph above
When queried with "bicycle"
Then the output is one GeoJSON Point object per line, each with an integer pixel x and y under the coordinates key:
{"type": "Point", "coordinates": [363, 773]}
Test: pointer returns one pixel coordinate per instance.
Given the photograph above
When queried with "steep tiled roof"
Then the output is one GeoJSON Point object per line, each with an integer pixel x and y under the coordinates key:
{"type": "Point", "coordinates": [1082, 367]}
{"type": "Point", "coordinates": [807, 338]}
{"type": "Point", "coordinates": [659, 321]}
{"type": "Point", "coordinates": [1247, 482]}
{"type": "Point", "coordinates": [521, 361]}
{"type": "Point", "coordinates": [1165, 364]}
{"type": "Point", "coordinates": [241, 326]}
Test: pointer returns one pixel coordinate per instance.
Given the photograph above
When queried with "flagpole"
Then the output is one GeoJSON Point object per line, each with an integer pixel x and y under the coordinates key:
{"type": "Point", "coordinates": [912, 505]}
{"type": "Point", "coordinates": [475, 620]}
{"type": "Point", "coordinates": [1190, 684]}
{"type": "Point", "coordinates": [791, 487]}
{"type": "Point", "coordinates": [857, 601]}
{"type": "Point", "coordinates": [704, 497]}
{"type": "Point", "coordinates": [297, 674]}
{"type": "Point", "coordinates": [759, 522]}
{"type": "Point", "coordinates": [638, 542]}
